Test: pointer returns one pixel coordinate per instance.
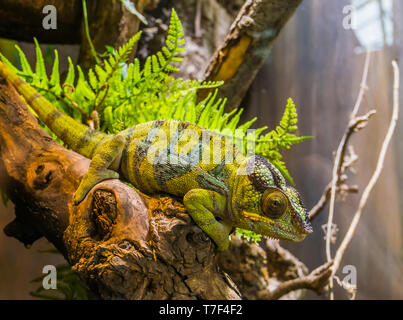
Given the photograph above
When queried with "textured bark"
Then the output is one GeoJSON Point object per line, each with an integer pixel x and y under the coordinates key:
{"type": "Point", "coordinates": [246, 263]}
{"type": "Point", "coordinates": [258, 273]}
{"type": "Point", "coordinates": [247, 46]}
{"type": "Point", "coordinates": [217, 46]}
{"type": "Point", "coordinates": [122, 243]}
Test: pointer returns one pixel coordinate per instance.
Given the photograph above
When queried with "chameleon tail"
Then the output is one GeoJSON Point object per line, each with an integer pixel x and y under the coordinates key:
{"type": "Point", "coordinates": [76, 135]}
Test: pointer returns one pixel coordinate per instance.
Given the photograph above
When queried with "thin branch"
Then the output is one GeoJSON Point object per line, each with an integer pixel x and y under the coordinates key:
{"type": "Point", "coordinates": [87, 32]}
{"type": "Point", "coordinates": [341, 151]}
{"type": "Point", "coordinates": [340, 165]}
{"type": "Point", "coordinates": [363, 86]}
{"type": "Point", "coordinates": [364, 199]}
{"type": "Point", "coordinates": [318, 278]}
{"type": "Point", "coordinates": [318, 207]}
{"type": "Point", "coordinates": [315, 281]}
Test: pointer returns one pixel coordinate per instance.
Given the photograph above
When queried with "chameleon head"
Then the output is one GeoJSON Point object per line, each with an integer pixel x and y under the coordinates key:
{"type": "Point", "coordinates": [263, 203]}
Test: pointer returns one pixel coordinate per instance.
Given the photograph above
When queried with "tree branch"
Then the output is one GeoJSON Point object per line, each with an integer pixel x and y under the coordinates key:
{"type": "Point", "coordinates": [355, 124]}
{"type": "Point", "coordinates": [247, 45]}
{"type": "Point", "coordinates": [323, 200]}
{"type": "Point", "coordinates": [121, 243]}
{"type": "Point", "coordinates": [374, 178]}
{"type": "Point", "coordinates": [316, 281]}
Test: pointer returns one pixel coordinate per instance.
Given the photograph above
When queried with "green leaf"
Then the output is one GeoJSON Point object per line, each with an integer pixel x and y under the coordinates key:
{"type": "Point", "coordinates": [110, 49]}
{"type": "Point", "coordinates": [71, 73]}
{"type": "Point", "coordinates": [55, 77]}
{"type": "Point", "coordinates": [40, 68]}
{"type": "Point", "coordinates": [127, 94]}
{"type": "Point", "coordinates": [26, 68]}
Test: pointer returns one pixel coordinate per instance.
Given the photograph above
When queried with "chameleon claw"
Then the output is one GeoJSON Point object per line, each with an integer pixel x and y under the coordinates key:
{"type": "Point", "coordinates": [77, 199]}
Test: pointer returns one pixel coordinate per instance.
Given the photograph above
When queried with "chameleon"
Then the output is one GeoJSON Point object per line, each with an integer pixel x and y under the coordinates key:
{"type": "Point", "coordinates": [184, 160]}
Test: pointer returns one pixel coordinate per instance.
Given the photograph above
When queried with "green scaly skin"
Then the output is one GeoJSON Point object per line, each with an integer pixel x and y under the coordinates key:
{"type": "Point", "coordinates": [185, 160]}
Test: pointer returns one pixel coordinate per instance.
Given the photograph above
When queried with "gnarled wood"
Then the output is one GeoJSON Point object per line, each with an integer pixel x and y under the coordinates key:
{"type": "Point", "coordinates": [121, 243]}
{"type": "Point", "coordinates": [247, 46]}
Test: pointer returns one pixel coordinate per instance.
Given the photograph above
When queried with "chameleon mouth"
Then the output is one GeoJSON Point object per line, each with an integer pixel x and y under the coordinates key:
{"type": "Point", "coordinates": [277, 231]}
{"type": "Point", "coordinates": [256, 217]}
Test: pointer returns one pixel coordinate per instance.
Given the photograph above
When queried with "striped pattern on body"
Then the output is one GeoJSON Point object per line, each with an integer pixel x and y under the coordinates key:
{"type": "Point", "coordinates": [184, 148]}
{"type": "Point", "coordinates": [174, 157]}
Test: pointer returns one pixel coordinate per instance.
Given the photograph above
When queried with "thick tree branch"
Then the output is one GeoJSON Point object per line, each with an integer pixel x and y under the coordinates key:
{"type": "Point", "coordinates": [247, 45]}
{"type": "Point", "coordinates": [237, 59]}
{"type": "Point", "coordinates": [122, 244]}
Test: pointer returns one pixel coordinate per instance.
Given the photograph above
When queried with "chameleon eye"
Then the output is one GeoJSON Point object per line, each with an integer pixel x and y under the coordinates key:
{"type": "Point", "coordinates": [274, 203]}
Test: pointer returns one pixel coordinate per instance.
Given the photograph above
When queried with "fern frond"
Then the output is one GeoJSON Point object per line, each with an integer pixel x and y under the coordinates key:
{"type": "Point", "coordinates": [8, 63]}
{"type": "Point", "coordinates": [70, 73]}
{"type": "Point", "coordinates": [163, 60]}
{"type": "Point", "coordinates": [26, 68]}
{"type": "Point", "coordinates": [110, 71]}
{"type": "Point", "coordinates": [40, 78]}
{"type": "Point", "coordinates": [124, 94]}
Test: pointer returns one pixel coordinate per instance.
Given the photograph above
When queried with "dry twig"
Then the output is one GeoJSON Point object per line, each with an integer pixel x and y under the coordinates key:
{"type": "Point", "coordinates": [318, 207]}
{"type": "Point", "coordinates": [323, 275]}
{"type": "Point", "coordinates": [354, 124]}
{"type": "Point", "coordinates": [365, 195]}
{"type": "Point", "coordinates": [315, 281]}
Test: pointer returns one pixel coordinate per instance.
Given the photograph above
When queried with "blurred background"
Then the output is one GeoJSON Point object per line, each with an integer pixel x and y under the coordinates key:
{"type": "Point", "coordinates": [319, 63]}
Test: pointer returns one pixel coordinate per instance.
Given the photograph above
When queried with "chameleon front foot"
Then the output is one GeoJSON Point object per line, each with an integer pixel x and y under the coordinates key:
{"type": "Point", "coordinates": [203, 205]}
{"type": "Point", "coordinates": [105, 157]}
{"type": "Point", "coordinates": [91, 179]}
